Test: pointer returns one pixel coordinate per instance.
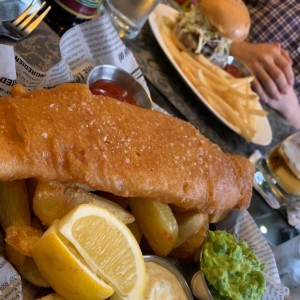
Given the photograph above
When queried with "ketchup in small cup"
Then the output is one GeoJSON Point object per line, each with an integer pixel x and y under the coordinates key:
{"type": "Point", "coordinates": [234, 71]}
{"type": "Point", "coordinates": [112, 89]}
{"type": "Point", "coordinates": [236, 68]}
{"type": "Point", "coordinates": [114, 82]}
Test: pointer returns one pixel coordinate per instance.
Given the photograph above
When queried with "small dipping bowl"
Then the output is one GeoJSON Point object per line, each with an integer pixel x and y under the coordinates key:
{"type": "Point", "coordinates": [199, 284]}
{"type": "Point", "coordinates": [200, 288]}
{"type": "Point", "coordinates": [112, 75]}
{"type": "Point", "coordinates": [164, 263]}
{"type": "Point", "coordinates": [234, 63]}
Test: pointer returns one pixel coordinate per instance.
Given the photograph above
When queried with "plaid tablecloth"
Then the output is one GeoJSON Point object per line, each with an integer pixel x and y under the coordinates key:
{"type": "Point", "coordinates": [278, 21]}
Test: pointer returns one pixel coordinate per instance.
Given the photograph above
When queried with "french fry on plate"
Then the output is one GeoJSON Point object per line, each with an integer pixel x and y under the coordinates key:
{"type": "Point", "coordinates": [225, 94]}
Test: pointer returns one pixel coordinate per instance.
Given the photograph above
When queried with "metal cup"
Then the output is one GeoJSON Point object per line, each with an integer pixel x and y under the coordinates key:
{"type": "Point", "coordinates": [126, 80]}
{"type": "Point", "coordinates": [173, 270]}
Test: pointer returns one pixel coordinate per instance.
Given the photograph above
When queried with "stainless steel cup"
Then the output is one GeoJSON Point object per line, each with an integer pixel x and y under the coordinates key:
{"type": "Point", "coordinates": [126, 80]}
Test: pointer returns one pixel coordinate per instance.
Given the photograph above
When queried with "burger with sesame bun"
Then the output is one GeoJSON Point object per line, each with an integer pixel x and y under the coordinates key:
{"type": "Point", "coordinates": [210, 26]}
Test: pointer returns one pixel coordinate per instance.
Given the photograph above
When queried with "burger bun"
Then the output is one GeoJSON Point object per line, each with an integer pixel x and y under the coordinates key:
{"type": "Point", "coordinates": [230, 17]}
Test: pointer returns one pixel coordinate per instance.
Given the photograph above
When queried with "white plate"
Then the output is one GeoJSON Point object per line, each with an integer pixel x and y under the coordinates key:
{"type": "Point", "coordinates": [263, 135]}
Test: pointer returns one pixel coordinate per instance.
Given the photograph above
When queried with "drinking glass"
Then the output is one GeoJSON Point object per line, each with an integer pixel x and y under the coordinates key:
{"type": "Point", "coordinates": [128, 17]}
{"type": "Point", "coordinates": [278, 172]}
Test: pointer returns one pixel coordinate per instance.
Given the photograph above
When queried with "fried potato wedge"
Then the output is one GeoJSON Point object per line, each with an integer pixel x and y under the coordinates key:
{"type": "Point", "coordinates": [157, 223]}
{"type": "Point", "coordinates": [14, 210]}
{"type": "Point", "coordinates": [13, 255]}
{"type": "Point", "coordinates": [53, 296]}
{"type": "Point", "coordinates": [31, 184]}
{"type": "Point", "coordinates": [14, 206]}
{"type": "Point", "coordinates": [188, 225]}
{"type": "Point", "coordinates": [136, 231]}
{"type": "Point", "coordinates": [187, 251]}
{"type": "Point", "coordinates": [53, 200]}
{"type": "Point", "coordinates": [22, 238]}
{"type": "Point", "coordinates": [29, 271]}
{"type": "Point", "coordinates": [218, 216]}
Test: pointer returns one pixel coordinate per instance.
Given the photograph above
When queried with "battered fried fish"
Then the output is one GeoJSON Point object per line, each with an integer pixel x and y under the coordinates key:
{"type": "Point", "coordinates": [66, 134]}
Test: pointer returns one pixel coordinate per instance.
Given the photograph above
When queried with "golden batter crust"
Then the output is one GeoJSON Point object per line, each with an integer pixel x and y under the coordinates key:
{"type": "Point", "coordinates": [66, 134]}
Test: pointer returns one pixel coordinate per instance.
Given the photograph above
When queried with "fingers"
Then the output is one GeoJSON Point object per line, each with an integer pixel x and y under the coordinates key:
{"type": "Point", "coordinates": [287, 67]}
{"type": "Point", "coordinates": [278, 68]}
{"type": "Point", "coordinates": [278, 77]}
{"type": "Point", "coordinates": [288, 106]}
{"type": "Point", "coordinates": [271, 65]}
{"type": "Point", "coordinates": [286, 55]}
{"type": "Point", "coordinates": [260, 91]}
{"type": "Point", "coordinates": [265, 85]}
{"type": "Point", "coordinates": [283, 61]}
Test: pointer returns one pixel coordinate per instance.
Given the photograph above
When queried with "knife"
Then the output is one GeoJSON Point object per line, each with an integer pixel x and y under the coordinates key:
{"type": "Point", "coordinates": [161, 100]}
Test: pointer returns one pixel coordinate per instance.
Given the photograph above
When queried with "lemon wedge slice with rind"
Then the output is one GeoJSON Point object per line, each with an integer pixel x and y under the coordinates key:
{"type": "Point", "coordinates": [108, 247]}
{"type": "Point", "coordinates": [63, 269]}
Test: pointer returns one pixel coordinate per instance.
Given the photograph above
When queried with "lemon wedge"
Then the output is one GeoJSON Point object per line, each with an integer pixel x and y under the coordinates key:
{"type": "Point", "coordinates": [63, 269]}
{"type": "Point", "coordinates": [108, 247]}
{"type": "Point", "coordinates": [91, 254]}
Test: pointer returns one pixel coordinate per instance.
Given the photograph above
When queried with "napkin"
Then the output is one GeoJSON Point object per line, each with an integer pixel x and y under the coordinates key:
{"type": "Point", "coordinates": [82, 47]}
{"type": "Point", "coordinates": [8, 65]}
{"type": "Point", "coordinates": [287, 256]}
{"type": "Point", "coordinates": [10, 281]}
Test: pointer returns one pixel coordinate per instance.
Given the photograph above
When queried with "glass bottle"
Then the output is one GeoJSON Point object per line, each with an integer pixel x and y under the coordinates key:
{"type": "Point", "coordinates": [65, 14]}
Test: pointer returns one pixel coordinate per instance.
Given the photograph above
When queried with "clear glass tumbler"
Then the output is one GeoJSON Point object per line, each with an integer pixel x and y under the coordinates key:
{"type": "Point", "coordinates": [278, 172]}
{"type": "Point", "coordinates": [129, 16]}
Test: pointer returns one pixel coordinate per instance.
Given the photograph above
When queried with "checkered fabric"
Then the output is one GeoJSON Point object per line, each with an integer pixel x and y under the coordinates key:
{"type": "Point", "coordinates": [278, 21]}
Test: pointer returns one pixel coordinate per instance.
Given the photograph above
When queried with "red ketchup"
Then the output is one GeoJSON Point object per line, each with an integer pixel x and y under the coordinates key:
{"type": "Point", "coordinates": [234, 71]}
{"type": "Point", "coordinates": [112, 89]}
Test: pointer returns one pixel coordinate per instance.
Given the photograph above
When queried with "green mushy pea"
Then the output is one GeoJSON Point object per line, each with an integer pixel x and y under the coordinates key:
{"type": "Point", "coordinates": [231, 268]}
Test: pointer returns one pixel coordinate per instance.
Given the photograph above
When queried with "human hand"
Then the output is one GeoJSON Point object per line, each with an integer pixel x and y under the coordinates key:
{"type": "Point", "coordinates": [270, 65]}
{"type": "Point", "coordinates": [288, 106]}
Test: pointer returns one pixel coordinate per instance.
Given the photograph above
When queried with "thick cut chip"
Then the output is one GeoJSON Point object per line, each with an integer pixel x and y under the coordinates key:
{"type": "Point", "coordinates": [189, 224]}
{"type": "Point", "coordinates": [53, 296]}
{"type": "Point", "coordinates": [157, 222]}
{"type": "Point", "coordinates": [14, 210]}
{"type": "Point", "coordinates": [29, 271]}
{"type": "Point", "coordinates": [136, 231]}
{"type": "Point", "coordinates": [218, 216]}
{"type": "Point", "coordinates": [22, 238]}
{"type": "Point", "coordinates": [14, 206]}
{"type": "Point", "coordinates": [187, 251]}
{"type": "Point", "coordinates": [52, 200]}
